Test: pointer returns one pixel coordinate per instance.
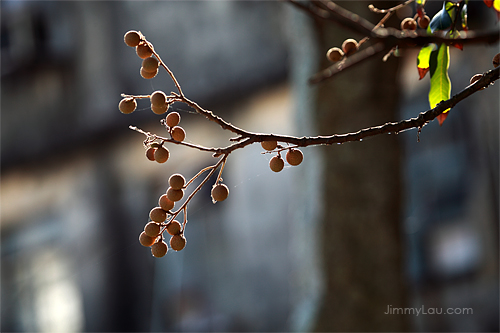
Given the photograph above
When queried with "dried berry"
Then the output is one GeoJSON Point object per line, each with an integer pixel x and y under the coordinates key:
{"type": "Point", "coordinates": [423, 22]}
{"type": "Point", "coordinates": [408, 24]}
{"type": "Point", "coordinates": [173, 119]}
{"type": "Point", "coordinates": [148, 75]}
{"type": "Point", "coordinates": [276, 163]}
{"type": "Point", "coordinates": [161, 155]}
{"type": "Point", "coordinates": [150, 64]}
{"type": "Point", "coordinates": [178, 133]}
{"type": "Point", "coordinates": [176, 181]}
{"type": "Point", "coordinates": [334, 54]}
{"type": "Point", "coordinates": [349, 46]}
{"type": "Point", "coordinates": [165, 203]}
{"type": "Point", "coordinates": [174, 195]}
{"type": "Point", "coordinates": [143, 50]}
{"type": "Point", "coordinates": [496, 60]}
{"type": "Point", "coordinates": [158, 215]}
{"type": "Point", "coordinates": [150, 153]}
{"type": "Point", "coordinates": [158, 98]}
{"type": "Point", "coordinates": [152, 229]}
{"type": "Point", "coordinates": [159, 249]}
{"type": "Point", "coordinates": [177, 242]}
{"type": "Point", "coordinates": [174, 227]}
{"type": "Point", "coordinates": [294, 156]}
{"type": "Point", "coordinates": [269, 145]}
{"type": "Point", "coordinates": [132, 38]}
{"type": "Point", "coordinates": [146, 240]}
{"type": "Point", "coordinates": [127, 105]}
{"type": "Point", "coordinates": [220, 192]}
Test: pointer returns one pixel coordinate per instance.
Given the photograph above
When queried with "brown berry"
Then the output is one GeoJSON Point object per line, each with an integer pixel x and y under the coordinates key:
{"type": "Point", "coordinates": [159, 109]}
{"type": "Point", "coordinates": [165, 203]}
{"type": "Point", "coordinates": [174, 195]}
{"type": "Point", "coordinates": [150, 64]}
{"type": "Point", "coordinates": [146, 240]}
{"type": "Point", "coordinates": [173, 119]}
{"type": "Point", "coordinates": [159, 249]}
{"type": "Point", "coordinates": [176, 181]}
{"type": "Point", "coordinates": [496, 60]}
{"type": "Point", "coordinates": [158, 215]}
{"type": "Point", "coordinates": [161, 155]}
{"type": "Point", "coordinates": [150, 153]}
{"type": "Point", "coordinates": [408, 24]}
{"type": "Point", "coordinates": [178, 133]}
{"type": "Point", "coordinates": [423, 22]}
{"type": "Point", "coordinates": [143, 50]}
{"type": "Point", "coordinates": [276, 163]}
{"type": "Point", "coordinates": [127, 105]}
{"type": "Point", "coordinates": [174, 227]}
{"type": "Point", "coordinates": [220, 192]}
{"type": "Point", "coordinates": [334, 54]}
{"type": "Point", "coordinates": [294, 156]}
{"type": "Point", "coordinates": [148, 75]}
{"type": "Point", "coordinates": [158, 98]}
{"type": "Point", "coordinates": [152, 229]}
{"type": "Point", "coordinates": [349, 46]}
{"type": "Point", "coordinates": [132, 38]}
{"type": "Point", "coordinates": [269, 145]}
{"type": "Point", "coordinates": [177, 242]}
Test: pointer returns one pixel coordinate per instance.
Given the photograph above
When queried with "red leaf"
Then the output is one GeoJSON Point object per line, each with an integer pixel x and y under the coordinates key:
{"type": "Point", "coordinates": [458, 45]}
{"type": "Point", "coordinates": [422, 72]}
{"type": "Point", "coordinates": [488, 3]}
{"type": "Point", "coordinates": [442, 117]}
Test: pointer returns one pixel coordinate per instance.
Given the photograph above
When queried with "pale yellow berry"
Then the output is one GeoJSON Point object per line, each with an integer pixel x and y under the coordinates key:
{"type": "Point", "coordinates": [143, 50]}
{"type": "Point", "coordinates": [178, 133]}
{"type": "Point", "coordinates": [150, 64]}
{"type": "Point", "coordinates": [269, 145]}
{"type": "Point", "coordinates": [158, 215]}
{"type": "Point", "coordinates": [165, 203]}
{"type": "Point", "coordinates": [334, 54]}
{"type": "Point", "coordinates": [276, 164]}
{"type": "Point", "coordinates": [177, 242]}
{"type": "Point", "coordinates": [174, 227]}
{"type": "Point", "coordinates": [294, 156]}
{"type": "Point", "coordinates": [349, 46]}
{"type": "Point", "coordinates": [176, 181]}
{"type": "Point", "coordinates": [127, 105]}
{"type": "Point", "coordinates": [132, 38]}
{"type": "Point", "coordinates": [150, 153]}
{"type": "Point", "coordinates": [158, 98]}
{"type": "Point", "coordinates": [174, 195]}
{"type": "Point", "coordinates": [173, 119]}
{"type": "Point", "coordinates": [148, 75]}
{"type": "Point", "coordinates": [146, 240]}
{"type": "Point", "coordinates": [159, 249]}
{"type": "Point", "coordinates": [161, 155]}
{"type": "Point", "coordinates": [152, 229]}
{"type": "Point", "coordinates": [220, 192]}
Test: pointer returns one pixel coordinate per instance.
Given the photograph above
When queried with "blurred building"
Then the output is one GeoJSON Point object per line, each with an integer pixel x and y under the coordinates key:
{"type": "Point", "coordinates": [76, 188]}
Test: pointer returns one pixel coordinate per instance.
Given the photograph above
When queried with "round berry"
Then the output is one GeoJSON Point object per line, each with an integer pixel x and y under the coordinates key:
{"type": "Point", "coordinates": [165, 203]}
{"type": "Point", "coordinates": [178, 133]}
{"type": "Point", "coordinates": [423, 22]}
{"type": "Point", "coordinates": [161, 155]}
{"type": "Point", "coordinates": [269, 145]}
{"type": "Point", "coordinates": [146, 240]}
{"type": "Point", "coordinates": [220, 192]}
{"type": "Point", "coordinates": [349, 46]}
{"type": "Point", "coordinates": [294, 156]}
{"type": "Point", "coordinates": [127, 105]}
{"type": "Point", "coordinates": [177, 242]}
{"type": "Point", "coordinates": [276, 163]}
{"type": "Point", "coordinates": [408, 24]}
{"type": "Point", "coordinates": [174, 195]}
{"type": "Point", "coordinates": [176, 181]}
{"type": "Point", "coordinates": [334, 54]}
{"type": "Point", "coordinates": [143, 50]}
{"type": "Point", "coordinates": [173, 119]}
{"type": "Point", "coordinates": [150, 153]}
{"type": "Point", "coordinates": [158, 98]}
{"type": "Point", "coordinates": [174, 227]}
{"type": "Point", "coordinates": [496, 60]}
{"type": "Point", "coordinates": [150, 64]}
{"type": "Point", "coordinates": [152, 229]}
{"type": "Point", "coordinates": [158, 215]}
{"type": "Point", "coordinates": [148, 75]}
{"type": "Point", "coordinates": [159, 109]}
{"type": "Point", "coordinates": [159, 249]}
{"type": "Point", "coordinates": [132, 38]}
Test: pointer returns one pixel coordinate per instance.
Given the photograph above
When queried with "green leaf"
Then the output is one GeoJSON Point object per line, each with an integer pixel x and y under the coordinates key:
{"type": "Point", "coordinates": [440, 90]}
{"type": "Point", "coordinates": [423, 59]}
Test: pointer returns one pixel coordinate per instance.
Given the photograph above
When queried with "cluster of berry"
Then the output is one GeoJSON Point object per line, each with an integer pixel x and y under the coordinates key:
{"type": "Point", "coordinates": [293, 156]}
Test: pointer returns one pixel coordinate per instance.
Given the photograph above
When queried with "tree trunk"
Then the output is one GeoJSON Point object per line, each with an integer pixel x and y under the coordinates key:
{"type": "Point", "coordinates": [361, 238]}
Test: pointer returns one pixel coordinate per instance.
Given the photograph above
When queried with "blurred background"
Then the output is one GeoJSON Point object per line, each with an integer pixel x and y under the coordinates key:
{"type": "Point", "coordinates": [329, 245]}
